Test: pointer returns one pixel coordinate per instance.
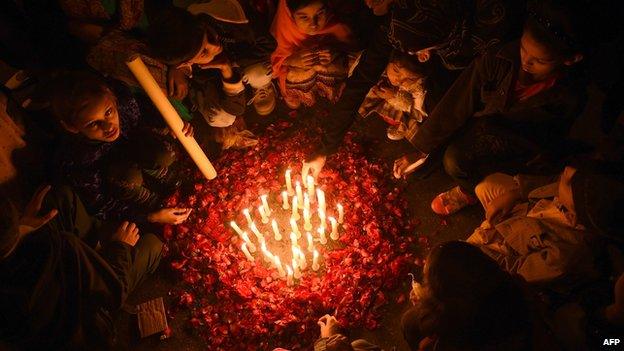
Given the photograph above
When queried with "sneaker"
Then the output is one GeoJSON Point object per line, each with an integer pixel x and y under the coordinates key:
{"type": "Point", "coordinates": [264, 100]}
{"type": "Point", "coordinates": [452, 201]}
{"type": "Point", "coordinates": [397, 132]}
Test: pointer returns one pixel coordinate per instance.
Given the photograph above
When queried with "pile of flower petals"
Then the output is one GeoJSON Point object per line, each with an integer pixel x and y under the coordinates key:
{"type": "Point", "coordinates": [238, 305]}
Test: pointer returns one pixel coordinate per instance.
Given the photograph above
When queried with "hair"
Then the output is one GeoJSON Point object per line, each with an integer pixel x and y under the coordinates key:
{"type": "Point", "coordinates": [557, 25]}
{"type": "Point", "coordinates": [9, 220]}
{"type": "Point", "coordinates": [410, 63]}
{"type": "Point", "coordinates": [177, 35]}
{"type": "Point", "coordinates": [294, 5]}
{"type": "Point", "coordinates": [469, 300]}
{"type": "Point", "coordinates": [76, 91]}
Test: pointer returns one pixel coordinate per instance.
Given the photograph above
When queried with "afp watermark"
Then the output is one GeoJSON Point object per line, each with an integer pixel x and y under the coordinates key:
{"type": "Point", "coordinates": [610, 342]}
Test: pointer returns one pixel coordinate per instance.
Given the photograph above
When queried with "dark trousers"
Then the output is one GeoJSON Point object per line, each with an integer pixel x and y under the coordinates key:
{"type": "Point", "coordinates": [139, 175]}
{"type": "Point", "coordinates": [73, 217]}
{"type": "Point", "coordinates": [484, 148]}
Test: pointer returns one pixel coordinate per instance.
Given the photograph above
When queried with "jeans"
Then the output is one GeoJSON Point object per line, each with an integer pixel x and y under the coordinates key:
{"type": "Point", "coordinates": [483, 149]}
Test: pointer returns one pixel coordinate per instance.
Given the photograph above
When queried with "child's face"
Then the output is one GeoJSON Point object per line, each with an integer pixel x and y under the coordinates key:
{"type": "Point", "coordinates": [538, 62]}
{"type": "Point", "coordinates": [379, 7]}
{"type": "Point", "coordinates": [206, 54]}
{"type": "Point", "coordinates": [398, 74]}
{"type": "Point", "coordinates": [99, 121]}
{"type": "Point", "coordinates": [312, 18]}
{"type": "Point", "coordinates": [565, 193]}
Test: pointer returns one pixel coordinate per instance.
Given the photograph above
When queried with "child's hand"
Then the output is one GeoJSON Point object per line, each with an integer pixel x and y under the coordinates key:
{"type": "Point", "coordinates": [31, 220]}
{"type": "Point", "coordinates": [329, 326]}
{"type": "Point", "coordinates": [314, 166]}
{"type": "Point", "coordinates": [222, 63]}
{"type": "Point", "coordinates": [172, 215]}
{"type": "Point", "coordinates": [127, 233]}
{"type": "Point", "coordinates": [327, 56]}
{"type": "Point", "coordinates": [407, 164]}
{"type": "Point", "coordinates": [386, 93]}
{"type": "Point", "coordinates": [302, 59]}
{"type": "Point", "coordinates": [188, 130]}
{"type": "Point", "coordinates": [497, 209]}
{"type": "Point", "coordinates": [177, 82]}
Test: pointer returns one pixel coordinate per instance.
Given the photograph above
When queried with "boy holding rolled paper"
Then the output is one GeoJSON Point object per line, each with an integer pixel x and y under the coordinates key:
{"type": "Point", "coordinates": [116, 160]}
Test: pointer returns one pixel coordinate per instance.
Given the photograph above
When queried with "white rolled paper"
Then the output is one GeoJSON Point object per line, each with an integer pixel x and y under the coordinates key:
{"type": "Point", "coordinates": [170, 115]}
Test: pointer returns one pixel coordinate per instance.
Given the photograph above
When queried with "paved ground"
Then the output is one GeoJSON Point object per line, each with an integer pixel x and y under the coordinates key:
{"type": "Point", "coordinates": [420, 191]}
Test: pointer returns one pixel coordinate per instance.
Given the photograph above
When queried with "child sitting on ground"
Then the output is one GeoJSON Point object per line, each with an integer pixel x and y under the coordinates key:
{"type": "Point", "coordinates": [399, 97]}
{"type": "Point", "coordinates": [110, 155]}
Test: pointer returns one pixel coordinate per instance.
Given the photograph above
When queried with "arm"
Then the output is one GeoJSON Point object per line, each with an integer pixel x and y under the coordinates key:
{"type": "Point", "coordinates": [367, 73]}
{"type": "Point", "coordinates": [459, 103]}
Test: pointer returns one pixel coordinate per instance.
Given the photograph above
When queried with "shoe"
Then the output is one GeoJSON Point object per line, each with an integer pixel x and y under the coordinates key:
{"type": "Point", "coordinates": [264, 100]}
{"type": "Point", "coordinates": [397, 132]}
{"type": "Point", "coordinates": [452, 201]}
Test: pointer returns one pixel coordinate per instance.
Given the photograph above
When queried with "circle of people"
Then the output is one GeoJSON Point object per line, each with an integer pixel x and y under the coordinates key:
{"type": "Point", "coordinates": [488, 89]}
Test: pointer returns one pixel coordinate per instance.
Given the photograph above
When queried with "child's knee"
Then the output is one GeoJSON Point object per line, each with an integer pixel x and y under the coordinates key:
{"type": "Point", "coordinates": [493, 186]}
{"type": "Point", "coordinates": [257, 76]}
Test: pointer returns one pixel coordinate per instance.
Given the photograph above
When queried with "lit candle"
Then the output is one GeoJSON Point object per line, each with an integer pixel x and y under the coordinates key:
{"type": "Point", "coordinates": [303, 263]}
{"type": "Point", "coordinates": [285, 204]}
{"type": "Point", "coordinates": [310, 242]}
{"type": "Point", "coordinates": [295, 211]}
{"type": "Point", "coordinates": [293, 239]}
{"type": "Point", "coordinates": [276, 232]}
{"type": "Point", "coordinates": [340, 213]}
{"type": "Point", "coordinates": [334, 232]}
{"type": "Point", "coordinates": [321, 232]}
{"type": "Point", "coordinates": [295, 264]}
{"type": "Point", "coordinates": [306, 216]}
{"type": "Point", "coordinates": [246, 252]}
{"type": "Point", "coordinates": [321, 215]}
{"type": "Point", "coordinates": [289, 277]}
{"type": "Point", "coordinates": [289, 187]}
{"type": "Point", "coordinates": [236, 228]}
{"type": "Point", "coordinates": [251, 246]}
{"type": "Point", "coordinates": [255, 230]}
{"type": "Point", "coordinates": [295, 228]}
{"type": "Point", "coordinates": [299, 194]}
{"type": "Point", "coordinates": [320, 196]}
{"type": "Point", "coordinates": [268, 257]}
{"type": "Point", "coordinates": [263, 215]}
{"type": "Point", "coordinates": [310, 181]}
{"type": "Point", "coordinates": [306, 202]}
{"type": "Point", "coordinates": [265, 204]}
{"type": "Point", "coordinates": [315, 265]}
{"type": "Point", "coordinates": [278, 265]}
{"type": "Point", "coordinates": [248, 216]}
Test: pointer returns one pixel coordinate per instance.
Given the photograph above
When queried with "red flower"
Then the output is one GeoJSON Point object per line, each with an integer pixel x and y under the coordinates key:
{"type": "Point", "coordinates": [227, 295]}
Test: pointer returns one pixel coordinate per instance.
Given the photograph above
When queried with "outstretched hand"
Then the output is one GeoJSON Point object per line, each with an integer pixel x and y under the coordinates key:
{"type": "Point", "coordinates": [329, 326]}
{"type": "Point", "coordinates": [31, 220]}
{"type": "Point", "coordinates": [314, 166]}
{"type": "Point", "coordinates": [171, 215]}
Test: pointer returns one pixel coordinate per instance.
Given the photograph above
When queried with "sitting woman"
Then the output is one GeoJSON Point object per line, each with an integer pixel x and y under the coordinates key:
{"type": "Point", "coordinates": [113, 158]}
{"type": "Point", "coordinates": [312, 55]}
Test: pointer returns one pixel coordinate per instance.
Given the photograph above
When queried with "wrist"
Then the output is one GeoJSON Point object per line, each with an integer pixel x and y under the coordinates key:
{"type": "Point", "coordinates": [227, 72]}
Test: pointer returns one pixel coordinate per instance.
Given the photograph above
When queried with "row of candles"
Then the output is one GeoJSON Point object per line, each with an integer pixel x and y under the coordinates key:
{"type": "Point", "coordinates": [300, 200]}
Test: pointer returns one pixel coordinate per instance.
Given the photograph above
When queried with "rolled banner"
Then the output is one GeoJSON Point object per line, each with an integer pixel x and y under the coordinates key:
{"type": "Point", "coordinates": [145, 78]}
